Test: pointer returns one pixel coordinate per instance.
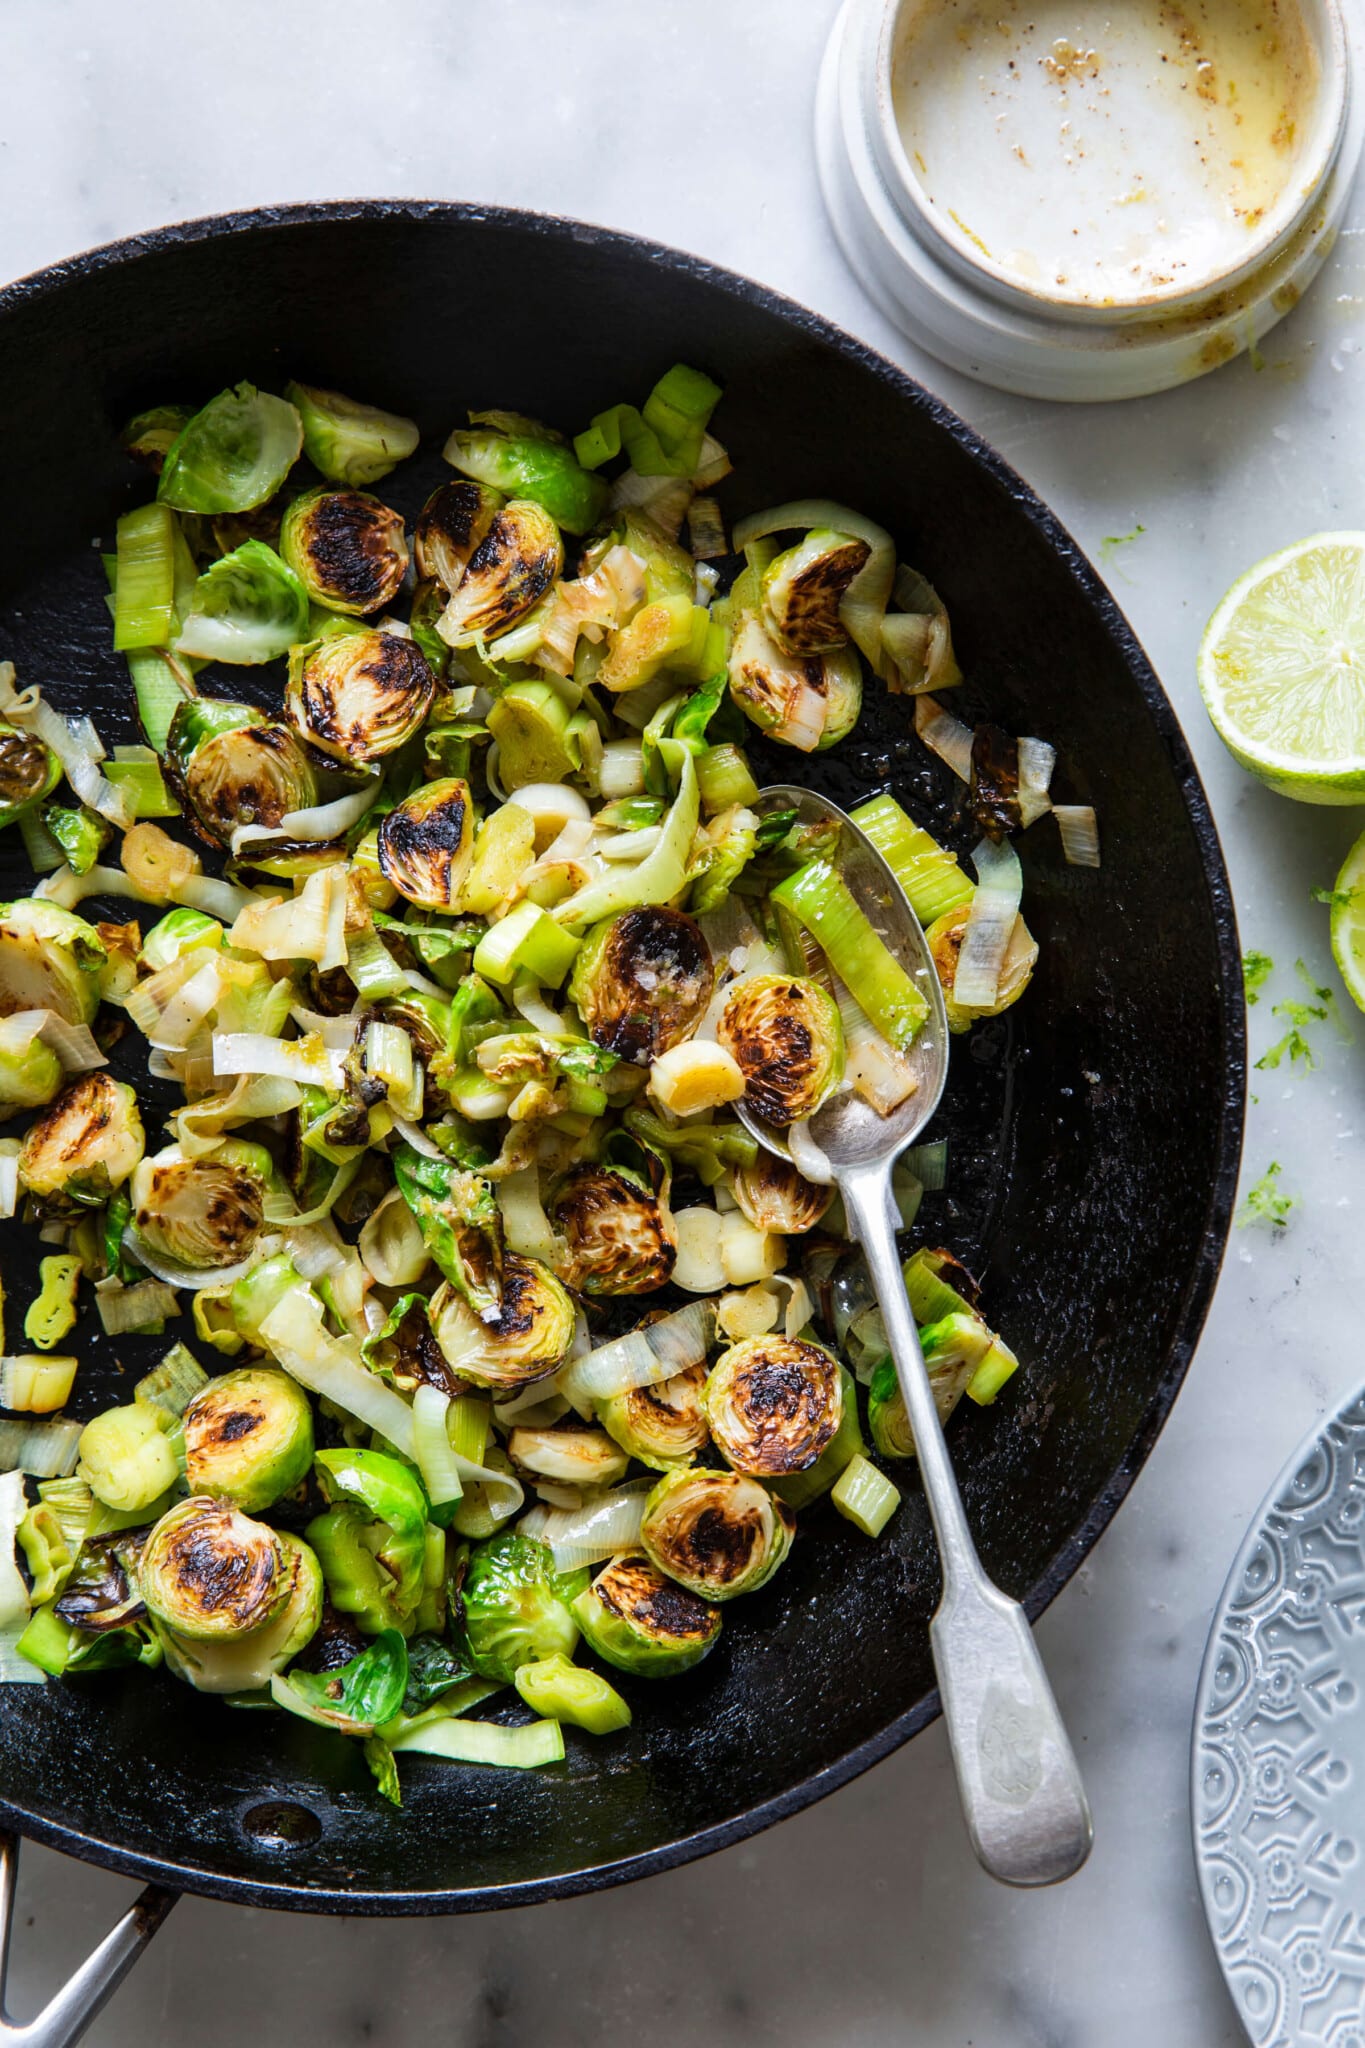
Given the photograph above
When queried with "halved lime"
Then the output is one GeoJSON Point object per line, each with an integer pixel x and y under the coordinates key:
{"type": "Point", "coordinates": [1348, 921]}
{"type": "Point", "coordinates": [1282, 669]}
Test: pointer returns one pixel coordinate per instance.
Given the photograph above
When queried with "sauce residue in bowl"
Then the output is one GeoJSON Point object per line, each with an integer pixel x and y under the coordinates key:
{"type": "Point", "coordinates": [1107, 156]}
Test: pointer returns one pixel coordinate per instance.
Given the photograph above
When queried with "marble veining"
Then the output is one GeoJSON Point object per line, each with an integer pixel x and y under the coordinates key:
{"type": "Point", "coordinates": [863, 1922]}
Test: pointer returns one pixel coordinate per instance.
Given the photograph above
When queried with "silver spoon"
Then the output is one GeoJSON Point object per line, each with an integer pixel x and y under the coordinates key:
{"type": "Point", "coordinates": [1020, 1787]}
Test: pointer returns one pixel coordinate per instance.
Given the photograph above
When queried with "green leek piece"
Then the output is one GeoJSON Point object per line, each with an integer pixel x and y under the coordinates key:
{"type": "Point", "coordinates": [161, 683]}
{"type": "Point", "coordinates": [931, 1296]}
{"type": "Point", "coordinates": [144, 600]}
{"type": "Point", "coordinates": [558, 1690]}
{"type": "Point", "coordinates": [485, 1742]}
{"type": "Point", "coordinates": [724, 777]}
{"type": "Point", "coordinates": [530, 723]}
{"type": "Point", "coordinates": [865, 1497]}
{"type": "Point", "coordinates": [47, 1642]}
{"type": "Point", "coordinates": [664, 437]}
{"type": "Point", "coordinates": [49, 1549]}
{"type": "Point", "coordinates": [54, 1312]}
{"type": "Point", "coordinates": [930, 876]}
{"type": "Point", "coordinates": [171, 1386]}
{"type": "Point", "coordinates": [526, 945]}
{"type": "Point", "coordinates": [137, 772]}
{"type": "Point", "coordinates": [467, 1424]}
{"type": "Point", "coordinates": [817, 895]}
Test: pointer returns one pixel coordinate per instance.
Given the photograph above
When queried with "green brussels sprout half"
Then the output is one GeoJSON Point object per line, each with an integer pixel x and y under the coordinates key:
{"type": "Point", "coordinates": [717, 1533]}
{"type": "Point", "coordinates": [347, 442]}
{"type": "Point", "coordinates": [29, 771]}
{"type": "Point", "coordinates": [246, 608]}
{"type": "Point", "coordinates": [523, 458]}
{"type": "Point", "coordinates": [373, 1550]}
{"type": "Point", "coordinates": [509, 572]}
{"type": "Point", "coordinates": [356, 1697]}
{"type": "Point", "coordinates": [236, 767]}
{"type": "Point", "coordinates": [516, 1606]}
{"type": "Point", "coordinates": [232, 454]}
{"type": "Point", "coordinates": [804, 587]}
{"type": "Point", "coordinates": [527, 1337]}
{"type": "Point", "coordinates": [177, 933]}
{"type": "Point", "coordinates": [460, 1221]}
{"type": "Point", "coordinates": [642, 981]}
{"type": "Point", "coordinates": [450, 527]}
{"type": "Point", "coordinates": [426, 844]}
{"type": "Point", "coordinates": [84, 1145]}
{"type": "Point", "coordinates": [82, 835]}
{"type": "Point", "coordinates": [620, 1233]}
{"type": "Point", "coordinates": [663, 1425]}
{"type": "Point", "coordinates": [205, 1212]}
{"type": "Point", "coordinates": [808, 702]}
{"type": "Point", "coordinates": [248, 1438]}
{"type": "Point", "coordinates": [358, 696]}
{"type": "Point", "coordinates": [784, 1032]}
{"type": "Point", "coordinates": [346, 548]}
{"type": "Point", "coordinates": [30, 1071]}
{"type": "Point", "coordinates": [641, 1622]}
{"type": "Point", "coordinates": [50, 959]}
{"type": "Point", "coordinates": [247, 1663]}
{"type": "Point", "coordinates": [775, 1197]}
{"type": "Point", "coordinates": [212, 1574]}
{"type": "Point", "coordinates": [773, 1404]}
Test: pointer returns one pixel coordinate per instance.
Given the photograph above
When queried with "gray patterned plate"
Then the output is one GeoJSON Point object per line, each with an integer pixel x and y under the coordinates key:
{"type": "Point", "coordinates": [1278, 1769]}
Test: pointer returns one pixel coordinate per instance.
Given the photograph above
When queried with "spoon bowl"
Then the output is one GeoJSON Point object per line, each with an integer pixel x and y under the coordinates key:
{"type": "Point", "coordinates": [848, 1130]}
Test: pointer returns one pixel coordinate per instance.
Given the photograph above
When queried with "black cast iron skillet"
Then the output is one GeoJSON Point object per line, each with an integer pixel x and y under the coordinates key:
{"type": "Point", "coordinates": [1094, 1130]}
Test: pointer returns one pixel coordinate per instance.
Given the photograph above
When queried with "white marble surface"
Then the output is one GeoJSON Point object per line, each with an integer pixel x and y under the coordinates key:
{"type": "Point", "coordinates": [864, 1921]}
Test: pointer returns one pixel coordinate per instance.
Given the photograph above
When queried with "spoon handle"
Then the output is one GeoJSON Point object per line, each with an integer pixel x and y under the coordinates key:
{"type": "Point", "coordinates": [1021, 1791]}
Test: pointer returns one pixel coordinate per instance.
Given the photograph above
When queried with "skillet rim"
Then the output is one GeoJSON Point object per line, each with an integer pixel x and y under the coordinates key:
{"type": "Point", "coordinates": [56, 278]}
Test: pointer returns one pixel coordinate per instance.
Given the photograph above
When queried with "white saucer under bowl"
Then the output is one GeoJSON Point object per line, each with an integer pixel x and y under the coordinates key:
{"type": "Point", "coordinates": [1278, 1765]}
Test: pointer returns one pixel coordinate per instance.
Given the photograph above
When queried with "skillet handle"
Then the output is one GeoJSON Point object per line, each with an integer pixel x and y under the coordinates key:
{"type": "Point", "coordinates": [66, 2016]}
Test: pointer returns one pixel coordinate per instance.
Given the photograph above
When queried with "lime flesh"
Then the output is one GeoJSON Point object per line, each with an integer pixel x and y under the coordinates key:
{"type": "Point", "coordinates": [1348, 921]}
{"type": "Point", "coordinates": [1282, 669]}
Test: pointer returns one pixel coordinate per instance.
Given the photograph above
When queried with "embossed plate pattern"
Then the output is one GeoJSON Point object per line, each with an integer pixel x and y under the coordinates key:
{"type": "Point", "coordinates": [1278, 1765]}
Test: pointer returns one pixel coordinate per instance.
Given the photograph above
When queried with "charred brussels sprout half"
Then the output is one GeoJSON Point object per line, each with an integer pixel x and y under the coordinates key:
{"type": "Point", "coordinates": [358, 696]}
{"type": "Point", "coordinates": [808, 702]}
{"type": "Point", "coordinates": [945, 938]}
{"type": "Point", "coordinates": [515, 1607]}
{"type": "Point", "coordinates": [211, 1573]}
{"type": "Point", "coordinates": [784, 1033]}
{"type": "Point", "coordinates": [29, 771]}
{"type": "Point", "coordinates": [346, 548]}
{"type": "Point", "coordinates": [248, 1438]}
{"type": "Point", "coordinates": [803, 589]}
{"type": "Point", "coordinates": [773, 1404]}
{"type": "Point", "coordinates": [449, 527]}
{"type": "Point", "coordinates": [663, 1425]}
{"type": "Point", "coordinates": [251, 1661]}
{"type": "Point", "coordinates": [775, 1197]}
{"type": "Point", "coordinates": [640, 1621]}
{"type": "Point", "coordinates": [84, 1145]}
{"type": "Point", "coordinates": [202, 1213]}
{"type": "Point", "coordinates": [642, 981]}
{"type": "Point", "coordinates": [621, 1235]}
{"type": "Point", "coordinates": [50, 959]}
{"type": "Point", "coordinates": [509, 572]}
{"type": "Point", "coordinates": [426, 844]}
{"type": "Point", "coordinates": [717, 1533]}
{"type": "Point", "coordinates": [236, 767]}
{"type": "Point", "coordinates": [525, 1339]}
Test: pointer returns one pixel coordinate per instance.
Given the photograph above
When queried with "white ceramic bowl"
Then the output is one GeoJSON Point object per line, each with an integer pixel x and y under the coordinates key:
{"type": "Point", "coordinates": [1188, 293]}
